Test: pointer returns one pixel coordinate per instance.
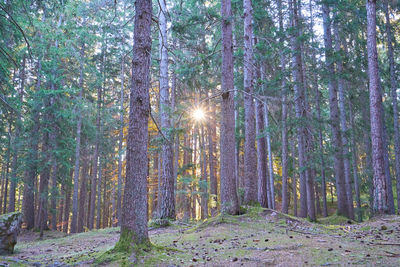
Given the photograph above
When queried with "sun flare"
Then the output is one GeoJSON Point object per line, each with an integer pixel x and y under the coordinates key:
{"type": "Point", "coordinates": [198, 114]}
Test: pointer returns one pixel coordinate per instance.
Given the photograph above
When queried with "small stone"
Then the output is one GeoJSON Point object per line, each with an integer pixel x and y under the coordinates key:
{"type": "Point", "coordinates": [383, 227]}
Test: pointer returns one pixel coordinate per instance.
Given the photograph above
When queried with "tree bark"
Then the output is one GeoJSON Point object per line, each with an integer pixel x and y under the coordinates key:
{"type": "Point", "coordinates": [300, 108]}
{"type": "Point", "coordinates": [375, 98]}
{"type": "Point", "coordinates": [393, 89]}
{"type": "Point", "coordinates": [250, 160]}
{"type": "Point", "coordinates": [261, 156]}
{"type": "Point", "coordinates": [74, 221]}
{"type": "Point", "coordinates": [343, 122]}
{"type": "Point", "coordinates": [342, 201]}
{"type": "Point", "coordinates": [28, 202]}
{"type": "Point", "coordinates": [83, 190]}
{"type": "Point", "coordinates": [134, 216]}
{"type": "Point", "coordinates": [229, 197]}
{"type": "Point", "coordinates": [285, 199]}
{"type": "Point", "coordinates": [354, 158]}
{"type": "Point", "coordinates": [168, 185]}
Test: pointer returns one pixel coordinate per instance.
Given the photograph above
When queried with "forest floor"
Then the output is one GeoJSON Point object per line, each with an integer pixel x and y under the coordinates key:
{"type": "Point", "coordinates": [257, 238]}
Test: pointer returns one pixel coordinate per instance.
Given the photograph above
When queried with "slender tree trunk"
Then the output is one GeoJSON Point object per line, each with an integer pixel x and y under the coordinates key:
{"type": "Point", "coordinates": [67, 203]}
{"type": "Point", "coordinates": [342, 201]}
{"type": "Point", "coordinates": [318, 109]}
{"type": "Point", "coordinates": [203, 183]}
{"type": "Point", "coordinates": [134, 216]}
{"type": "Point", "coordinates": [380, 192]}
{"type": "Point", "coordinates": [368, 152]}
{"type": "Point", "coordinates": [285, 199]}
{"type": "Point", "coordinates": [270, 160]}
{"type": "Point", "coordinates": [261, 156]}
{"type": "Point", "coordinates": [388, 177]}
{"type": "Point", "coordinates": [343, 122]}
{"type": "Point", "coordinates": [95, 161]}
{"type": "Point", "coordinates": [300, 108]}
{"type": "Point", "coordinates": [83, 190]}
{"type": "Point", "coordinates": [194, 172]}
{"type": "Point", "coordinates": [5, 184]}
{"type": "Point", "coordinates": [212, 161]}
{"type": "Point", "coordinates": [28, 202]}
{"type": "Point", "coordinates": [120, 141]}
{"type": "Point", "coordinates": [185, 180]}
{"type": "Point", "coordinates": [354, 158]}
{"type": "Point", "coordinates": [168, 185]}
{"type": "Point", "coordinates": [229, 197]}
{"type": "Point", "coordinates": [250, 160]}
{"type": "Point", "coordinates": [16, 143]}
{"type": "Point", "coordinates": [294, 182]}
{"type": "Point", "coordinates": [393, 89]}
{"type": "Point", "coordinates": [98, 207]}
{"type": "Point", "coordinates": [74, 221]}
{"type": "Point", "coordinates": [61, 207]}
{"type": "Point", "coordinates": [321, 152]}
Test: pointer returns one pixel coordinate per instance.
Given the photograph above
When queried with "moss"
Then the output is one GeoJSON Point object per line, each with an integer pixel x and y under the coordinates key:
{"type": "Point", "coordinates": [365, 228]}
{"type": "Point", "coordinates": [335, 220]}
{"type": "Point", "coordinates": [159, 223]}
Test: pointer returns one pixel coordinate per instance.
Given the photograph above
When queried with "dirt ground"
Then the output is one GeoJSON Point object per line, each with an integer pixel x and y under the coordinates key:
{"type": "Point", "coordinates": [258, 238]}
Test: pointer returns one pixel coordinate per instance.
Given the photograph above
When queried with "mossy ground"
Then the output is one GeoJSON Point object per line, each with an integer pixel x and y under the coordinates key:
{"type": "Point", "coordinates": [258, 238]}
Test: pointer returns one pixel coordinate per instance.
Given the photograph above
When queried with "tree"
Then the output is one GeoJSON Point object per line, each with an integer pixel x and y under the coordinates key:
{"type": "Point", "coordinates": [167, 185]}
{"type": "Point", "coordinates": [375, 102]}
{"type": "Point", "coordinates": [134, 217]}
{"type": "Point", "coordinates": [229, 198]}
{"type": "Point", "coordinates": [250, 163]}
{"type": "Point", "coordinates": [342, 201]}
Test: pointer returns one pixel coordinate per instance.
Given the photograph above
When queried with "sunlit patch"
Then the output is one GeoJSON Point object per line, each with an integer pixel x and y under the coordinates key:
{"type": "Point", "coordinates": [199, 114]}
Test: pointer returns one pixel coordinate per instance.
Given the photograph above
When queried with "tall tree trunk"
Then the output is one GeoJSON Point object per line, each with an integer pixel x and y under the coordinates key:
{"type": "Point", "coordinates": [375, 98]}
{"type": "Point", "coordinates": [270, 160]}
{"type": "Point", "coordinates": [285, 199]}
{"type": "Point", "coordinates": [95, 161]}
{"type": "Point", "coordinates": [250, 160]}
{"type": "Point", "coordinates": [393, 89]}
{"type": "Point", "coordinates": [368, 152]}
{"type": "Point", "coordinates": [67, 203]}
{"type": "Point", "coordinates": [212, 161]}
{"type": "Point", "coordinates": [261, 156]}
{"type": "Point", "coordinates": [98, 207]}
{"type": "Point", "coordinates": [203, 184]}
{"type": "Point", "coordinates": [294, 182]}
{"type": "Point", "coordinates": [168, 185]}
{"type": "Point", "coordinates": [321, 153]}
{"type": "Point", "coordinates": [83, 190]}
{"type": "Point", "coordinates": [28, 202]}
{"type": "Point", "coordinates": [134, 216]}
{"type": "Point", "coordinates": [120, 141]}
{"type": "Point", "coordinates": [229, 197]}
{"type": "Point", "coordinates": [74, 220]}
{"type": "Point", "coordinates": [388, 177]}
{"type": "Point", "coordinates": [343, 123]}
{"type": "Point", "coordinates": [318, 109]}
{"type": "Point", "coordinates": [16, 143]}
{"type": "Point", "coordinates": [354, 158]}
{"type": "Point", "coordinates": [185, 180]}
{"type": "Point", "coordinates": [342, 201]}
{"type": "Point", "coordinates": [300, 108]}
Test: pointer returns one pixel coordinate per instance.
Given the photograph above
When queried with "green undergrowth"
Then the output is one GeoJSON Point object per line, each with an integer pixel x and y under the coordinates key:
{"type": "Point", "coordinates": [335, 219]}
{"type": "Point", "coordinates": [126, 253]}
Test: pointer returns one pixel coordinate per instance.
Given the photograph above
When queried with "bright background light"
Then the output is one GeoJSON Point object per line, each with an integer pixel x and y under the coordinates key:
{"type": "Point", "coordinates": [199, 114]}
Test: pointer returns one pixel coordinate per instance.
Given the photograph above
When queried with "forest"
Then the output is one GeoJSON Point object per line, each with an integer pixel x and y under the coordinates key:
{"type": "Point", "coordinates": [200, 132]}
